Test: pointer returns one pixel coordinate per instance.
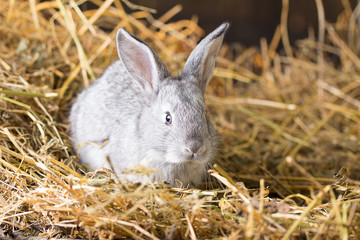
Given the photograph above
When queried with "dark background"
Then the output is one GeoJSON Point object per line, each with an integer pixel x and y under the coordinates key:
{"type": "Point", "coordinates": [250, 19]}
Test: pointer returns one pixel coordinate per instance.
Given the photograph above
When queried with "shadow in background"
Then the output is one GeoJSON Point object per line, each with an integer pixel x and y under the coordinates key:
{"type": "Point", "coordinates": [250, 19]}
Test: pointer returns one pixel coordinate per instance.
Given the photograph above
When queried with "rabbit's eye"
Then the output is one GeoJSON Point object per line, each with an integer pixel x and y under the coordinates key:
{"type": "Point", "coordinates": [168, 118]}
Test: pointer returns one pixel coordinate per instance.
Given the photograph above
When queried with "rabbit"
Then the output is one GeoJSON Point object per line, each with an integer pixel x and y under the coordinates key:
{"type": "Point", "coordinates": [137, 113]}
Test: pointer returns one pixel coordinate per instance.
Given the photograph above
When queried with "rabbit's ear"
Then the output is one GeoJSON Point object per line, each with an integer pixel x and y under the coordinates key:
{"type": "Point", "coordinates": [140, 61]}
{"type": "Point", "coordinates": [201, 61]}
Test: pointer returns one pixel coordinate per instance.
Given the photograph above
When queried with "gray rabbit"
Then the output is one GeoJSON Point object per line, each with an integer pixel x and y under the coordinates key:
{"type": "Point", "coordinates": [137, 113]}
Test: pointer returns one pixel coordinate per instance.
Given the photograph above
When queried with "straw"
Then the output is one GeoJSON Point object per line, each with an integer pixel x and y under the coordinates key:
{"type": "Point", "coordinates": [288, 122]}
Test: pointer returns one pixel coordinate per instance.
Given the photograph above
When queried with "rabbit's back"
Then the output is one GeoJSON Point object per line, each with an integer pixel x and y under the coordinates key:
{"type": "Point", "coordinates": [104, 109]}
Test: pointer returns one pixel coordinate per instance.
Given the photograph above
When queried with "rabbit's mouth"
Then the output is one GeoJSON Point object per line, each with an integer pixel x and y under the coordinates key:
{"type": "Point", "coordinates": [185, 156]}
{"type": "Point", "coordinates": [195, 154]}
{"type": "Point", "coordinates": [195, 157]}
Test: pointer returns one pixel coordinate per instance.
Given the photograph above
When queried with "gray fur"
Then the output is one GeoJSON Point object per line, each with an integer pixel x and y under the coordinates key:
{"type": "Point", "coordinates": [127, 105]}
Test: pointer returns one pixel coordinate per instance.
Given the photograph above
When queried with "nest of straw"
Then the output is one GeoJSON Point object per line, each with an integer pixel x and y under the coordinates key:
{"type": "Point", "coordinates": [289, 121]}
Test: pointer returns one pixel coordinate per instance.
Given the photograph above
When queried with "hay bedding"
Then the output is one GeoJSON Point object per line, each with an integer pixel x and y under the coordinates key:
{"type": "Point", "coordinates": [288, 121]}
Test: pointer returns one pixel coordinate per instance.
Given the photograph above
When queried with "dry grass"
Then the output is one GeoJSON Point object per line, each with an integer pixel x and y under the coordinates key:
{"type": "Point", "coordinates": [288, 122]}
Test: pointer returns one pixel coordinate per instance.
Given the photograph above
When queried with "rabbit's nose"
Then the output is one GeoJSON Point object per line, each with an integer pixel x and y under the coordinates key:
{"type": "Point", "coordinates": [195, 147]}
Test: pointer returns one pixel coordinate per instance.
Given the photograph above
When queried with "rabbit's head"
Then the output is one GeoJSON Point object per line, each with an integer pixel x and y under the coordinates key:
{"type": "Point", "coordinates": [173, 127]}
